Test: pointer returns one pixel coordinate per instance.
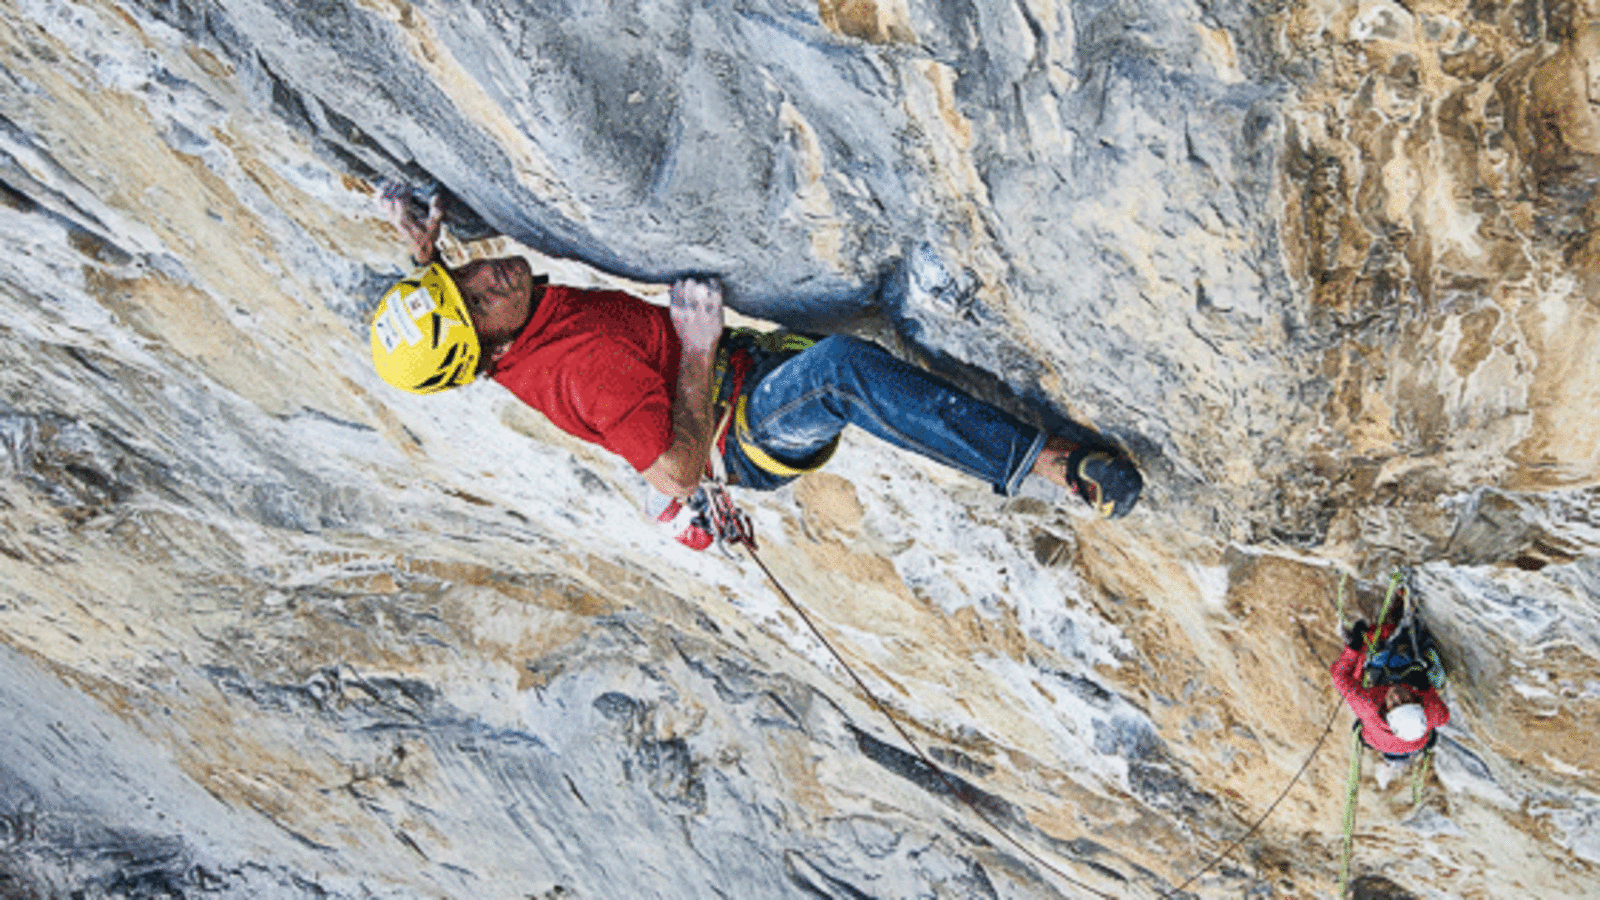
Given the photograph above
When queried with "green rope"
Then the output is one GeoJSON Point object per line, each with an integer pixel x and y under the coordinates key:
{"type": "Point", "coordinates": [1339, 610]}
{"type": "Point", "coordinates": [1419, 776]}
{"type": "Point", "coordinates": [1383, 615]}
{"type": "Point", "coordinates": [1351, 791]}
{"type": "Point", "coordinates": [1372, 633]}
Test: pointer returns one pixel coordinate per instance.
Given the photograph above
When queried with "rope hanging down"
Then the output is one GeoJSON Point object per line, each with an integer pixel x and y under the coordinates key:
{"type": "Point", "coordinates": [1332, 716]}
{"type": "Point", "coordinates": [1326, 728]}
{"type": "Point", "coordinates": [1352, 791]}
{"type": "Point", "coordinates": [732, 526]}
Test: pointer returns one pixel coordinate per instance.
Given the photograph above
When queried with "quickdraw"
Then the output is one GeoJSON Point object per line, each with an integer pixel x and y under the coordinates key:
{"type": "Point", "coordinates": [734, 363]}
{"type": "Point", "coordinates": [730, 525]}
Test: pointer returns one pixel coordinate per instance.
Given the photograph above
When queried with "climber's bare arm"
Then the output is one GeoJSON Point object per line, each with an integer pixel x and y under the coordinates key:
{"type": "Point", "coordinates": [697, 317]}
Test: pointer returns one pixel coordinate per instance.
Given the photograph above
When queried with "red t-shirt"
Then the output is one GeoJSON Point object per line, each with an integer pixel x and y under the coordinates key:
{"type": "Point", "coordinates": [602, 366]}
{"type": "Point", "coordinates": [1367, 704]}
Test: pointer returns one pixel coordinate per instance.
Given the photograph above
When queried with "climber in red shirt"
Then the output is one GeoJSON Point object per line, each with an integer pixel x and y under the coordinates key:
{"type": "Point", "coordinates": [649, 383]}
{"type": "Point", "coordinates": [1397, 720]}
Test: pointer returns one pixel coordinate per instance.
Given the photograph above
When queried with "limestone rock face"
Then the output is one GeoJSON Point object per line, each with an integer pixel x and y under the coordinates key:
{"type": "Point", "coordinates": [1329, 271]}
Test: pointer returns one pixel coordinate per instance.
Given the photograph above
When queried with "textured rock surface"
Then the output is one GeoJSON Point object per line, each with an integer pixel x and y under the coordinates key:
{"type": "Point", "coordinates": [1329, 271]}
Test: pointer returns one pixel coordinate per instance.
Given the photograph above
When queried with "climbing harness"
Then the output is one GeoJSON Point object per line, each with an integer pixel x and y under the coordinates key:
{"type": "Point", "coordinates": [732, 527]}
{"type": "Point", "coordinates": [1407, 655]}
{"type": "Point", "coordinates": [736, 359]}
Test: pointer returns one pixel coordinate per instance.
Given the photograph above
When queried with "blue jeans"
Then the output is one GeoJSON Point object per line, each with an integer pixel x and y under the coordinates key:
{"type": "Point", "coordinates": [798, 408]}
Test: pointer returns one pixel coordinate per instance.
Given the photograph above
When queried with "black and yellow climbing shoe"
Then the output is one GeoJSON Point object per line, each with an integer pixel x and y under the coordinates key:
{"type": "Point", "coordinates": [1109, 483]}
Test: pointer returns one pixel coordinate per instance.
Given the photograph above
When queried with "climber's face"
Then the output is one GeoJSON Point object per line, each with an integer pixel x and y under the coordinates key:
{"type": "Point", "coordinates": [498, 294]}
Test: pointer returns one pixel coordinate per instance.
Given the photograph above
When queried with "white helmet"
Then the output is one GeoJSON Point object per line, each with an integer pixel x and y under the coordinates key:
{"type": "Point", "coordinates": [1408, 722]}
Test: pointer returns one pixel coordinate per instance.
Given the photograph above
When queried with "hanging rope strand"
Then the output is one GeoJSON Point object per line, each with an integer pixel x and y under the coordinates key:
{"type": "Point", "coordinates": [1339, 609]}
{"type": "Point", "coordinates": [1419, 776]}
{"type": "Point", "coordinates": [1372, 635]}
{"type": "Point", "coordinates": [1332, 715]}
{"type": "Point", "coordinates": [916, 749]}
{"type": "Point", "coordinates": [1351, 792]}
{"type": "Point", "coordinates": [733, 527]}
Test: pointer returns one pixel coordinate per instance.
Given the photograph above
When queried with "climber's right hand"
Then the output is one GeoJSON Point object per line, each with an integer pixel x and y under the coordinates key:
{"type": "Point", "coordinates": [697, 312]}
{"type": "Point", "coordinates": [421, 233]}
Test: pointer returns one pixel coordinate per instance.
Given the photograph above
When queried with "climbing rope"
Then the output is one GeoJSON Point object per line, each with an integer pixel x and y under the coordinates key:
{"type": "Point", "coordinates": [1372, 634]}
{"type": "Point", "coordinates": [1352, 790]}
{"type": "Point", "coordinates": [1419, 776]}
{"type": "Point", "coordinates": [1332, 716]}
{"type": "Point", "coordinates": [1339, 609]}
{"type": "Point", "coordinates": [732, 526]}
{"type": "Point", "coordinates": [1326, 728]}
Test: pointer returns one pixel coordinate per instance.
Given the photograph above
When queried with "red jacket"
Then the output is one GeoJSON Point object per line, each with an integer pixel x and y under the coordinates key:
{"type": "Point", "coordinates": [602, 366]}
{"type": "Point", "coordinates": [1367, 704]}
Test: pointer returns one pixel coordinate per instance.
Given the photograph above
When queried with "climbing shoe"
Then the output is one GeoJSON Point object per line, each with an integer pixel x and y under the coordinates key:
{"type": "Point", "coordinates": [1110, 484]}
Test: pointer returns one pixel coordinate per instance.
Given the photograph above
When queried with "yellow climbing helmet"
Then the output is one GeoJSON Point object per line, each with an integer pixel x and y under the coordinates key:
{"type": "Point", "coordinates": [422, 337]}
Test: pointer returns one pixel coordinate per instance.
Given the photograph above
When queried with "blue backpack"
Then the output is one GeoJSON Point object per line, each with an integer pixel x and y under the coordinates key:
{"type": "Point", "coordinates": [1408, 656]}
